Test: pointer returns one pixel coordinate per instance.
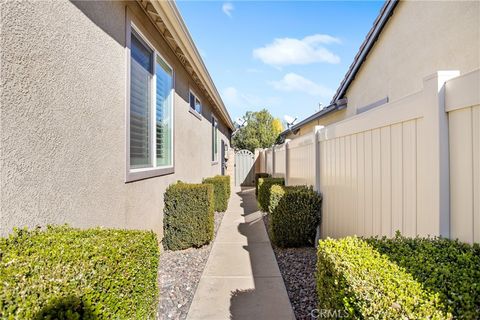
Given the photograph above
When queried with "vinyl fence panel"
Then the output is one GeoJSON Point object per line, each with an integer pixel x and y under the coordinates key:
{"type": "Point", "coordinates": [463, 107]}
{"type": "Point", "coordinates": [411, 165]}
{"type": "Point", "coordinates": [301, 161]}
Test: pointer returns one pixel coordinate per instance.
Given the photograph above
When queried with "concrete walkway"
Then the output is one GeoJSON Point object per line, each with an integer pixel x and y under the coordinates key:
{"type": "Point", "coordinates": [241, 279]}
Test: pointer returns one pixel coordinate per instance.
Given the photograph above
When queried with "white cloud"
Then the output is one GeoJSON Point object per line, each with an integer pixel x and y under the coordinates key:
{"type": "Point", "coordinates": [253, 70]}
{"type": "Point", "coordinates": [294, 82]}
{"type": "Point", "coordinates": [288, 51]}
{"type": "Point", "coordinates": [227, 8]}
{"type": "Point", "coordinates": [235, 99]}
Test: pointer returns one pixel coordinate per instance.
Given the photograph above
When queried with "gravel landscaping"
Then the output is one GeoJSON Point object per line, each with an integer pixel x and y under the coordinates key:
{"type": "Point", "coordinates": [179, 274]}
{"type": "Point", "coordinates": [297, 266]}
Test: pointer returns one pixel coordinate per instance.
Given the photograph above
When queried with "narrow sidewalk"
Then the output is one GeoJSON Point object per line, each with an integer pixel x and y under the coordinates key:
{"type": "Point", "coordinates": [241, 279]}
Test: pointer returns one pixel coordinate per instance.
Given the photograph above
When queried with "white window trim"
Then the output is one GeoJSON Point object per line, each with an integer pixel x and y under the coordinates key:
{"type": "Point", "coordinates": [215, 161]}
{"type": "Point", "coordinates": [192, 110]}
{"type": "Point", "coordinates": [150, 172]}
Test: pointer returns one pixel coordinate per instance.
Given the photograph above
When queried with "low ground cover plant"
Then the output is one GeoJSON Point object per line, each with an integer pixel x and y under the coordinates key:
{"type": "Point", "coordinates": [447, 267]}
{"type": "Point", "coordinates": [294, 214]}
{"type": "Point", "coordinates": [188, 215]}
{"type": "Point", "coordinates": [361, 283]}
{"type": "Point", "coordinates": [68, 273]}
{"type": "Point", "coordinates": [221, 191]}
{"type": "Point", "coordinates": [264, 185]}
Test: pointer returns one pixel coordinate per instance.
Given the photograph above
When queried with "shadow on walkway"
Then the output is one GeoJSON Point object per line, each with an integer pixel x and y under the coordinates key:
{"type": "Point", "coordinates": [268, 299]}
{"type": "Point", "coordinates": [241, 279]}
{"type": "Point", "coordinates": [248, 200]}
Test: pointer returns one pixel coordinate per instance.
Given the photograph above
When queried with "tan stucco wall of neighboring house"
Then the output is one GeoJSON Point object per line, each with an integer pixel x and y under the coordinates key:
{"type": "Point", "coordinates": [307, 128]}
{"type": "Point", "coordinates": [420, 38]}
{"type": "Point", "coordinates": [62, 126]}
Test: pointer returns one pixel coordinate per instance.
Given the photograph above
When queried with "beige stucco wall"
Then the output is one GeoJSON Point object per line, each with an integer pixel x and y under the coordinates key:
{"type": "Point", "coordinates": [62, 125]}
{"type": "Point", "coordinates": [420, 38]}
{"type": "Point", "coordinates": [330, 118]}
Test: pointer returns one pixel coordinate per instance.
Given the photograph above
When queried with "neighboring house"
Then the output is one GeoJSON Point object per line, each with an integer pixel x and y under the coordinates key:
{"type": "Point", "coordinates": [404, 153]}
{"type": "Point", "coordinates": [408, 41]}
{"type": "Point", "coordinates": [103, 105]}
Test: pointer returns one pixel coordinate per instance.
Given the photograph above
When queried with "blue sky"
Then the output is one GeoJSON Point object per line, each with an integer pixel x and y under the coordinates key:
{"type": "Point", "coordinates": [286, 56]}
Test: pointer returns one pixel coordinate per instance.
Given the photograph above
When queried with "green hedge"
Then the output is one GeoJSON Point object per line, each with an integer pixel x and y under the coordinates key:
{"type": "Point", "coordinates": [356, 279]}
{"type": "Point", "coordinates": [294, 215]}
{"type": "Point", "coordinates": [450, 268]}
{"type": "Point", "coordinates": [257, 177]}
{"type": "Point", "coordinates": [221, 191]}
{"type": "Point", "coordinates": [188, 215]}
{"type": "Point", "coordinates": [67, 273]}
{"type": "Point", "coordinates": [264, 185]}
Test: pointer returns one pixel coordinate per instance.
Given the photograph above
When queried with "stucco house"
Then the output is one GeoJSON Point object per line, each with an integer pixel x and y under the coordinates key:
{"type": "Point", "coordinates": [408, 41]}
{"type": "Point", "coordinates": [398, 148]}
{"type": "Point", "coordinates": [103, 105]}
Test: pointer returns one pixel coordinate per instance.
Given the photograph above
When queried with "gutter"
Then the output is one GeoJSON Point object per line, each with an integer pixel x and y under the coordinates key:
{"type": "Point", "coordinates": [372, 36]}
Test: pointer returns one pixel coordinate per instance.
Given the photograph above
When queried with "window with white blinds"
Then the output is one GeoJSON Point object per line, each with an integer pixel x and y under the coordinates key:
{"type": "Point", "coordinates": [151, 118]}
{"type": "Point", "coordinates": [195, 103]}
{"type": "Point", "coordinates": [163, 110]}
{"type": "Point", "coordinates": [141, 68]}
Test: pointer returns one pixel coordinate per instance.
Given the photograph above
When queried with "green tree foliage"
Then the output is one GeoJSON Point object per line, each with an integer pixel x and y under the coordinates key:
{"type": "Point", "coordinates": [261, 131]}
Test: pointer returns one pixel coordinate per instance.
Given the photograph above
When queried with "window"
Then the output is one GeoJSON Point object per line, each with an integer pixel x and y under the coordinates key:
{"type": "Point", "coordinates": [195, 103]}
{"type": "Point", "coordinates": [214, 139]}
{"type": "Point", "coordinates": [151, 107]}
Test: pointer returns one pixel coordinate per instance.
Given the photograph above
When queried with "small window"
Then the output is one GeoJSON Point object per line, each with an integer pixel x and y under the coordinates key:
{"type": "Point", "coordinates": [214, 139]}
{"type": "Point", "coordinates": [195, 103]}
{"type": "Point", "coordinates": [151, 108]}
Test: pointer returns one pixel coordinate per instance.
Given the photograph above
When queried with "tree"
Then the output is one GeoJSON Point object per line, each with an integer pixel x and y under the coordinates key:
{"type": "Point", "coordinates": [261, 131]}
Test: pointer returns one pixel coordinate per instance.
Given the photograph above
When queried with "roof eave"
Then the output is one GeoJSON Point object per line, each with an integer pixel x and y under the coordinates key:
{"type": "Point", "coordinates": [367, 45]}
{"type": "Point", "coordinates": [338, 105]}
{"type": "Point", "coordinates": [166, 14]}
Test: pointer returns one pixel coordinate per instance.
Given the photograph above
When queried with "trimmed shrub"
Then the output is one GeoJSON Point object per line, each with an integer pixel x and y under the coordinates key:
{"type": "Point", "coordinates": [67, 273]}
{"type": "Point", "coordinates": [450, 268]}
{"type": "Point", "coordinates": [264, 185]}
{"type": "Point", "coordinates": [357, 280]}
{"type": "Point", "coordinates": [221, 191]}
{"type": "Point", "coordinates": [294, 215]}
{"type": "Point", "coordinates": [258, 176]}
{"type": "Point", "coordinates": [188, 215]}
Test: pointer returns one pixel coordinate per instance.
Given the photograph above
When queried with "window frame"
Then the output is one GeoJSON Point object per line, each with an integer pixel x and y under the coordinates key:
{"type": "Point", "coordinates": [215, 129]}
{"type": "Point", "coordinates": [153, 170]}
{"type": "Point", "coordinates": [196, 113]}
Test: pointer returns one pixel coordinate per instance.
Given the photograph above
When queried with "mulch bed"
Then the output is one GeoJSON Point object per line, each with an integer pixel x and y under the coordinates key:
{"type": "Point", "coordinates": [179, 274]}
{"type": "Point", "coordinates": [297, 266]}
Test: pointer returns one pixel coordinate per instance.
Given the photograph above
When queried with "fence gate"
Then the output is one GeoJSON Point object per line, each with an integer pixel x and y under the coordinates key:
{"type": "Point", "coordinates": [244, 168]}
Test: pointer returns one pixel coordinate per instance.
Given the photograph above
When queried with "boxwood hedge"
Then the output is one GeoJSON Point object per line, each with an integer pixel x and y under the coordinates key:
{"type": "Point", "coordinates": [449, 268]}
{"type": "Point", "coordinates": [67, 273]}
{"type": "Point", "coordinates": [264, 185]}
{"type": "Point", "coordinates": [356, 279]}
{"type": "Point", "coordinates": [188, 215]}
{"type": "Point", "coordinates": [294, 215]}
{"type": "Point", "coordinates": [259, 175]}
{"type": "Point", "coordinates": [221, 191]}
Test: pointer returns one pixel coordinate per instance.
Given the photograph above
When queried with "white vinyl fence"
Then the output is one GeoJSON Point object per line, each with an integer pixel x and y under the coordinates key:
{"type": "Point", "coordinates": [463, 109]}
{"type": "Point", "coordinates": [411, 165]}
{"type": "Point", "coordinates": [280, 168]}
